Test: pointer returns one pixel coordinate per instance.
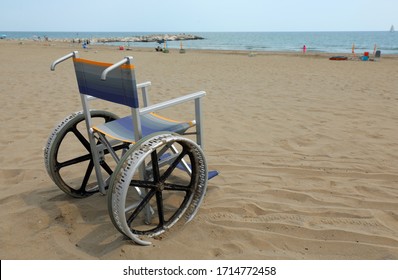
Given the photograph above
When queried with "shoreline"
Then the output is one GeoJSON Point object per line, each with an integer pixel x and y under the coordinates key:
{"type": "Point", "coordinates": [99, 46]}
{"type": "Point", "coordinates": [289, 42]}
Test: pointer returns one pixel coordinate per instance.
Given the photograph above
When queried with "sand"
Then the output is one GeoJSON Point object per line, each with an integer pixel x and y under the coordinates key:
{"type": "Point", "coordinates": [306, 147]}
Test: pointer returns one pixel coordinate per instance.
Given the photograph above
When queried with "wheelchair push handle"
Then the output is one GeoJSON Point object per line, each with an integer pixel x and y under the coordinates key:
{"type": "Point", "coordinates": [59, 60]}
{"type": "Point", "coordinates": [75, 54]}
{"type": "Point", "coordinates": [125, 60]}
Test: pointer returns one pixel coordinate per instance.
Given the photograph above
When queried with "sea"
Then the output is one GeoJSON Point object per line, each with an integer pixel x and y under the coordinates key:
{"type": "Point", "coordinates": [316, 42]}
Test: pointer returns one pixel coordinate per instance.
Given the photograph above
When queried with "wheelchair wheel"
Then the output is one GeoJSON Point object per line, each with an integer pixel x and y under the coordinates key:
{"type": "Point", "coordinates": [68, 157]}
{"type": "Point", "coordinates": [160, 181]}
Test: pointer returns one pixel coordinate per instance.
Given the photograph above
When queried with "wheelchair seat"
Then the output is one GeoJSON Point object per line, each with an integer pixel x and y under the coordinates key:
{"type": "Point", "coordinates": [123, 129]}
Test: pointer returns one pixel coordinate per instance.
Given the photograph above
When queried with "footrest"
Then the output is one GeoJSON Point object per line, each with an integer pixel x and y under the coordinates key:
{"type": "Point", "coordinates": [210, 175]}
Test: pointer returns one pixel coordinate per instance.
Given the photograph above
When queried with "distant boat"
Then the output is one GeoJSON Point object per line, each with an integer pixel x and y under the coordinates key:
{"type": "Point", "coordinates": [392, 28]}
{"type": "Point", "coordinates": [3, 36]}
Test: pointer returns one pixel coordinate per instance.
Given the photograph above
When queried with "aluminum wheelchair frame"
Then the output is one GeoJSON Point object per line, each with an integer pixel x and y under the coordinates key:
{"type": "Point", "coordinates": [157, 178]}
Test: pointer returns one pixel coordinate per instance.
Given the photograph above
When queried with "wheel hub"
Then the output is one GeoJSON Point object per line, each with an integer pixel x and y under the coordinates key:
{"type": "Point", "coordinates": [160, 186]}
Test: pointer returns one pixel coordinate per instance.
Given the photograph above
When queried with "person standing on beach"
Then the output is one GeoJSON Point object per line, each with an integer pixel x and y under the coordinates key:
{"type": "Point", "coordinates": [304, 49]}
{"type": "Point", "coordinates": [353, 50]}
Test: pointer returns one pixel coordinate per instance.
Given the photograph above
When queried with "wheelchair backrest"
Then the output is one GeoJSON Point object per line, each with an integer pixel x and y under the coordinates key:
{"type": "Point", "coordinates": [120, 85]}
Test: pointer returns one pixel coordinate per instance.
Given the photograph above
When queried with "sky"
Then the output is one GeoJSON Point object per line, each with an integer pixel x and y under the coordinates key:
{"type": "Point", "coordinates": [197, 16]}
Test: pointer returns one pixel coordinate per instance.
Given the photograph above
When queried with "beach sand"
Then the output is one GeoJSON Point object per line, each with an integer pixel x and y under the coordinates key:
{"type": "Point", "coordinates": [307, 150]}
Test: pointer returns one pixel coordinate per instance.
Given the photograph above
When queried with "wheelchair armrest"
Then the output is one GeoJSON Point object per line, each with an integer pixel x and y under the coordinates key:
{"type": "Point", "coordinates": [145, 97]}
{"type": "Point", "coordinates": [189, 97]}
{"type": "Point", "coordinates": [172, 102]}
{"type": "Point", "coordinates": [144, 84]}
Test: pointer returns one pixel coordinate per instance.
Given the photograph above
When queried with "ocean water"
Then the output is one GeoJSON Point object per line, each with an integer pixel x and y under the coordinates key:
{"type": "Point", "coordinates": [331, 42]}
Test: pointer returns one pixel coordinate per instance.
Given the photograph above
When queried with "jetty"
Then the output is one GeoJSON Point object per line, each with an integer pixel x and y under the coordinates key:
{"type": "Point", "coordinates": [149, 38]}
{"type": "Point", "coordinates": [159, 38]}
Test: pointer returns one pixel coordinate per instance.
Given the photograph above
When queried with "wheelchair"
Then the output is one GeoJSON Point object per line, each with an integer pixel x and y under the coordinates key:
{"type": "Point", "coordinates": [154, 176]}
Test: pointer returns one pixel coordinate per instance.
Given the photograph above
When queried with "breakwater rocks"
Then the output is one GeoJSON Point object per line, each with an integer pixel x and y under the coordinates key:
{"type": "Point", "coordinates": [149, 38]}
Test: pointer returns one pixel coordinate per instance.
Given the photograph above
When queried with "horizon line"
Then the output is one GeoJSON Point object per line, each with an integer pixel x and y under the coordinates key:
{"type": "Point", "coordinates": [276, 31]}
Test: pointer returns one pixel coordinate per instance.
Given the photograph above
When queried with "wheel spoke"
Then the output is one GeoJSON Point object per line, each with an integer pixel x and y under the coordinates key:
{"type": "Point", "coordinates": [184, 202]}
{"type": "Point", "coordinates": [143, 184]}
{"type": "Point", "coordinates": [171, 168]}
{"type": "Point", "coordinates": [177, 187]}
{"type": "Point", "coordinates": [141, 206]}
{"type": "Point", "coordinates": [155, 166]}
{"type": "Point", "coordinates": [73, 161]}
{"type": "Point", "coordinates": [87, 176]}
{"type": "Point", "coordinates": [119, 147]}
{"type": "Point", "coordinates": [159, 202]}
{"type": "Point", "coordinates": [81, 138]}
{"type": "Point", "coordinates": [106, 167]}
